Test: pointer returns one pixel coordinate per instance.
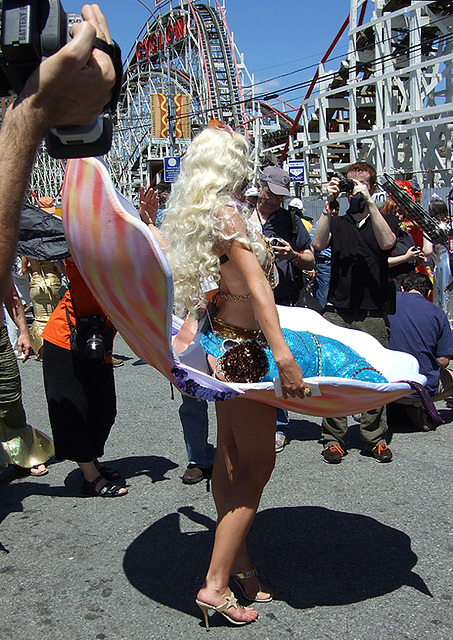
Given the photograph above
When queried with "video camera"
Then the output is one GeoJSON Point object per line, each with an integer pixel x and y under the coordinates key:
{"type": "Point", "coordinates": [31, 31]}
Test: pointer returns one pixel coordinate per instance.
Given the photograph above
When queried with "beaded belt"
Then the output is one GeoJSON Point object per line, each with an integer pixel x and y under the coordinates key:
{"type": "Point", "coordinates": [227, 331]}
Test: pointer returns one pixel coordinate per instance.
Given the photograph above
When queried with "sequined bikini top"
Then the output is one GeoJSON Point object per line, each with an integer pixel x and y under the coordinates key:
{"type": "Point", "coordinates": [267, 266]}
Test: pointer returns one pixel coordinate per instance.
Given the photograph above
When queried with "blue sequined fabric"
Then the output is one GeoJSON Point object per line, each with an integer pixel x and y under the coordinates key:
{"type": "Point", "coordinates": [317, 356]}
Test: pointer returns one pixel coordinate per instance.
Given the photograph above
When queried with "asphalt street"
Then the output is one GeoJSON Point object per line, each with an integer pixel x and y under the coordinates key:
{"type": "Point", "coordinates": [356, 551]}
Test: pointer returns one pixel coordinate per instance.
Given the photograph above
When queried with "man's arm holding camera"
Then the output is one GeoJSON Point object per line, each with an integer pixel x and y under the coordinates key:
{"type": "Point", "coordinates": [303, 259]}
{"type": "Point", "coordinates": [384, 235]}
{"type": "Point", "coordinates": [322, 235]}
{"type": "Point", "coordinates": [299, 251]}
{"type": "Point", "coordinates": [70, 88]}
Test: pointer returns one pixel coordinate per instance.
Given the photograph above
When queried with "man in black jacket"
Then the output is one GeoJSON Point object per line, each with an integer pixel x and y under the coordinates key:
{"type": "Point", "coordinates": [361, 242]}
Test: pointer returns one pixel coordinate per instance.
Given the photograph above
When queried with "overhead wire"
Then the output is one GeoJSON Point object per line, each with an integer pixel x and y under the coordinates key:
{"type": "Point", "coordinates": [340, 56]}
{"type": "Point", "coordinates": [330, 75]}
{"type": "Point", "coordinates": [322, 79]}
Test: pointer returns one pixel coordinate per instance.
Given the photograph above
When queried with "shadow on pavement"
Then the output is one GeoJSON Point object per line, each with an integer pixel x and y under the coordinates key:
{"type": "Point", "coordinates": [155, 467]}
{"type": "Point", "coordinates": [311, 556]}
{"type": "Point", "coordinates": [14, 494]}
{"type": "Point", "coordinates": [303, 430]}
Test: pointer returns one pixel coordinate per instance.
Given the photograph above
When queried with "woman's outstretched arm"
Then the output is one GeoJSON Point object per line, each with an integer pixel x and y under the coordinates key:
{"type": "Point", "coordinates": [265, 310]}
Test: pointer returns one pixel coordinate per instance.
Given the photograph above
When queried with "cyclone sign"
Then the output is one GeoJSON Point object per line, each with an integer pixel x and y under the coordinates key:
{"type": "Point", "coordinates": [169, 32]}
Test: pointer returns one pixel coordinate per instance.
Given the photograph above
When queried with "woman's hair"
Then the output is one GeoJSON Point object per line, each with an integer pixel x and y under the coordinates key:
{"type": "Point", "coordinates": [212, 170]}
{"type": "Point", "coordinates": [389, 206]}
{"type": "Point", "coordinates": [438, 209]}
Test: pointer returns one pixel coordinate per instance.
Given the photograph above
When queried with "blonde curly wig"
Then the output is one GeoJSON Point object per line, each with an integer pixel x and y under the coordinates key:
{"type": "Point", "coordinates": [213, 168]}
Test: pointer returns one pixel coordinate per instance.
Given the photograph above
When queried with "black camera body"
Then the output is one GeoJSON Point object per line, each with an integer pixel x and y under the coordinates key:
{"type": "Point", "coordinates": [30, 31]}
{"type": "Point", "coordinates": [356, 203]}
{"type": "Point", "coordinates": [92, 327]}
{"type": "Point", "coordinates": [346, 186]}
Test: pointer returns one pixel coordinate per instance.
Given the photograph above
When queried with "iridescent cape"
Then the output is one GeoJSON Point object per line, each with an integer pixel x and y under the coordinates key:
{"type": "Point", "coordinates": [121, 261]}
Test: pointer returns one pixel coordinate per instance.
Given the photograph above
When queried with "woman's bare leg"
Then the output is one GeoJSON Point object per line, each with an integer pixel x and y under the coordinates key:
{"type": "Point", "coordinates": [222, 478]}
{"type": "Point", "coordinates": [245, 460]}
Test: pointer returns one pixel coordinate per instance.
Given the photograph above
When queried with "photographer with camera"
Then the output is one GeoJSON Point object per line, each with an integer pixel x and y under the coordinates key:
{"type": "Point", "coordinates": [73, 86]}
{"type": "Point", "coordinates": [361, 242]}
{"type": "Point", "coordinates": [79, 384]}
{"type": "Point", "coordinates": [288, 235]}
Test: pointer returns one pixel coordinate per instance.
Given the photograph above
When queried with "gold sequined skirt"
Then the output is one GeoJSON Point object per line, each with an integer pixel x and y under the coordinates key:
{"type": "Point", "coordinates": [20, 444]}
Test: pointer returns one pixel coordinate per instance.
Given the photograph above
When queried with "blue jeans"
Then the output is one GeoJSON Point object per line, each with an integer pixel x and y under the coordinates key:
{"type": "Point", "coordinates": [282, 420]}
{"type": "Point", "coordinates": [194, 419]}
{"type": "Point", "coordinates": [322, 282]}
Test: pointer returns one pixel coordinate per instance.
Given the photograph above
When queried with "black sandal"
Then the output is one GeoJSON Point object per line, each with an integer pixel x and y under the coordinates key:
{"type": "Point", "coordinates": [109, 490]}
{"type": "Point", "coordinates": [106, 472]}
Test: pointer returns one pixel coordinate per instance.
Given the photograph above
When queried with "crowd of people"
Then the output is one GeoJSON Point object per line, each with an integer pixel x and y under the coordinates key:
{"type": "Point", "coordinates": [255, 254]}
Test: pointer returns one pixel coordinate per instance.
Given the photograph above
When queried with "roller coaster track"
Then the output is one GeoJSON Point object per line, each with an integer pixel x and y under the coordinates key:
{"type": "Point", "coordinates": [221, 73]}
{"type": "Point", "coordinates": [200, 63]}
{"type": "Point", "coordinates": [203, 65]}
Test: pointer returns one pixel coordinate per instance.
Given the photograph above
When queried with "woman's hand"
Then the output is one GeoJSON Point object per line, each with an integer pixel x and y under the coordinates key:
{"type": "Point", "coordinates": [412, 254]}
{"type": "Point", "coordinates": [291, 380]}
{"type": "Point", "coordinates": [149, 203]}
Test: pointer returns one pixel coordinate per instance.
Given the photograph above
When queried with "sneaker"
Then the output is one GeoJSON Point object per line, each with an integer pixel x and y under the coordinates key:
{"type": "Point", "coordinates": [117, 362]}
{"type": "Point", "coordinates": [381, 453]}
{"type": "Point", "coordinates": [280, 441]}
{"type": "Point", "coordinates": [194, 474]}
{"type": "Point", "coordinates": [449, 402]}
{"type": "Point", "coordinates": [333, 454]}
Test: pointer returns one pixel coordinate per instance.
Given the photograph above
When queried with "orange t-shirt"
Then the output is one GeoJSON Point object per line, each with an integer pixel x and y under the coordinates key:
{"type": "Point", "coordinates": [57, 329]}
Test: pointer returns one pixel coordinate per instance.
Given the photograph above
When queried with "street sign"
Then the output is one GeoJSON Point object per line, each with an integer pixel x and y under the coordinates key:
{"type": "Point", "coordinates": [296, 170]}
{"type": "Point", "coordinates": [380, 196]}
{"type": "Point", "coordinates": [171, 168]}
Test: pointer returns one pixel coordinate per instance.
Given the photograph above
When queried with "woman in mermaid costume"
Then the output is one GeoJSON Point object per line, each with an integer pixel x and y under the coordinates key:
{"type": "Point", "coordinates": [208, 236]}
{"type": "Point", "coordinates": [316, 355]}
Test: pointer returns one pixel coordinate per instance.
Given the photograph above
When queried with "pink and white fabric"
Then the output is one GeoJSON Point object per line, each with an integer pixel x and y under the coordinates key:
{"type": "Point", "coordinates": [122, 263]}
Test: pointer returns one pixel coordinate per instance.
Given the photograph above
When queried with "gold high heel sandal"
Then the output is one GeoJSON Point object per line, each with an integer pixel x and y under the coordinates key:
{"type": "Point", "coordinates": [231, 601]}
{"type": "Point", "coordinates": [249, 574]}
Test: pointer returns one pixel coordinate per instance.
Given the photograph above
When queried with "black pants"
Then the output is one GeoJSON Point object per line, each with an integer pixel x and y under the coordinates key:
{"type": "Point", "coordinates": [81, 401]}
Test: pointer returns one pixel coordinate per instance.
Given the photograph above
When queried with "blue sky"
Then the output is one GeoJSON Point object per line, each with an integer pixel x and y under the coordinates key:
{"type": "Point", "coordinates": [275, 36]}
